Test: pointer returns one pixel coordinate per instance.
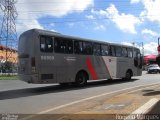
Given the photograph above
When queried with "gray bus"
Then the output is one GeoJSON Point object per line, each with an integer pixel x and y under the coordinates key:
{"type": "Point", "coordinates": [50, 57]}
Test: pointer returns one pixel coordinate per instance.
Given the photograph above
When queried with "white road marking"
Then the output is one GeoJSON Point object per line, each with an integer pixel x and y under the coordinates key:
{"type": "Point", "coordinates": [85, 99]}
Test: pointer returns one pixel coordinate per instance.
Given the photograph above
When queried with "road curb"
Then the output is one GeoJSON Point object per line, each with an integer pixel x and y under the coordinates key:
{"type": "Point", "coordinates": [144, 109]}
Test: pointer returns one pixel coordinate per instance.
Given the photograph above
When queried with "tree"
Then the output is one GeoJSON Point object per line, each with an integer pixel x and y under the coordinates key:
{"type": "Point", "coordinates": [6, 67]}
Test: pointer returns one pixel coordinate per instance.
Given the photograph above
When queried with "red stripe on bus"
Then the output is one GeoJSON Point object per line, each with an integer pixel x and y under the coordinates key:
{"type": "Point", "coordinates": [91, 69]}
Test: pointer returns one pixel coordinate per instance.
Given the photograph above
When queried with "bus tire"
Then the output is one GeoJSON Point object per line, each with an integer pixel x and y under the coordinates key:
{"type": "Point", "coordinates": [81, 78]}
{"type": "Point", "coordinates": [128, 75]}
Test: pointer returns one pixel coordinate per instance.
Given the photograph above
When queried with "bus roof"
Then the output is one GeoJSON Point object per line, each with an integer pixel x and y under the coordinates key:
{"type": "Point", "coordinates": [56, 34]}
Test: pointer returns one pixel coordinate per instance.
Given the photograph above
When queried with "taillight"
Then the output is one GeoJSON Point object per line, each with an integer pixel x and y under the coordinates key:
{"type": "Point", "coordinates": [33, 64]}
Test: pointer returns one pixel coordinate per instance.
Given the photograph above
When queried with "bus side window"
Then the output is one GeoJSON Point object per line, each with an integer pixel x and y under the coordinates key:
{"type": "Point", "coordinates": [130, 53]}
{"type": "Point", "coordinates": [78, 47]}
{"type": "Point", "coordinates": [87, 48]}
{"type": "Point", "coordinates": [42, 44]}
{"type": "Point", "coordinates": [118, 51]}
{"type": "Point", "coordinates": [97, 49]}
{"type": "Point", "coordinates": [68, 46]}
{"type": "Point", "coordinates": [46, 44]}
{"type": "Point", "coordinates": [135, 53]}
{"type": "Point", "coordinates": [124, 52]}
{"type": "Point", "coordinates": [104, 50]}
{"type": "Point", "coordinates": [112, 51]}
{"type": "Point", "coordinates": [63, 46]}
{"type": "Point", "coordinates": [58, 46]}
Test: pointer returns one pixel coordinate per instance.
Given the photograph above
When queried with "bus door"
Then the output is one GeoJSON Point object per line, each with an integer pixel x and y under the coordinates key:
{"type": "Point", "coordinates": [99, 61]}
{"type": "Point", "coordinates": [108, 66]}
{"type": "Point", "coordinates": [113, 60]}
{"type": "Point", "coordinates": [46, 60]}
{"type": "Point", "coordinates": [138, 61]}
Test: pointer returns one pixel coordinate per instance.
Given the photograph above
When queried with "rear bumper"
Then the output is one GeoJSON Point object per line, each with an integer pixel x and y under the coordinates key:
{"type": "Point", "coordinates": [29, 78]}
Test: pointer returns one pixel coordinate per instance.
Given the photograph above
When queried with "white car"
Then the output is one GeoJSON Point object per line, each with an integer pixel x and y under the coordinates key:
{"type": "Point", "coordinates": [153, 68]}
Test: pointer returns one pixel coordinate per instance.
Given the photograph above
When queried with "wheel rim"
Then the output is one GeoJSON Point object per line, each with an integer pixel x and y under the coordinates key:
{"type": "Point", "coordinates": [128, 75]}
{"type": "Point", "coordinates": [81, 79]}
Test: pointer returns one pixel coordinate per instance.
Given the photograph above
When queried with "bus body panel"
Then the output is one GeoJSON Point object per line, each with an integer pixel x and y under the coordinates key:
{"type": "Point", "coordinates": [110, 64]}
{"type": "Point", "coordinates": [54, 67]}
{"type": "Point", "coordinates": [124, 64]}
{"type": "Point", "coordinates": [26, 51]}
{"type": "Point", "coordinates": [101, 68]}
{"type": "Point", "coordinates": [45, 64]}
{"type": "Point", "coordinates": [65, 72]}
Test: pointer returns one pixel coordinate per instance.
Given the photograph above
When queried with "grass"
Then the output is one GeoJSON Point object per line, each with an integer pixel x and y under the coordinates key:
{"type": "Point", "coordinates": [8, 77]}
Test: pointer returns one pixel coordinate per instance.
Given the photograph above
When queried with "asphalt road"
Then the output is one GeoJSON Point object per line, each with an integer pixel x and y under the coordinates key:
{"type": "Point", "coordinates": [19, 97]}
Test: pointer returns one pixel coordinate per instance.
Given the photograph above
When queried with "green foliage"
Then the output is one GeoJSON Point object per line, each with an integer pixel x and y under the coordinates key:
{"type": "Point", "coordinates": [8, 77]}
{"type": "Point", "coordinates": [8, 67]}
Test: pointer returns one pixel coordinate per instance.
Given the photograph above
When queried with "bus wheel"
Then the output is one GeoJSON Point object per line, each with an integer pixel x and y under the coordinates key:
{"type": "Point", "coordinates": [128, 75]}
{"type": "Point", "coordinates": [81, 79]}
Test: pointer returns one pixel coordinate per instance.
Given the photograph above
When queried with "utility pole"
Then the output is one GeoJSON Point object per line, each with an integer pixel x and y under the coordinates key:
{"type": "Point", "coordinates": [8, 35]}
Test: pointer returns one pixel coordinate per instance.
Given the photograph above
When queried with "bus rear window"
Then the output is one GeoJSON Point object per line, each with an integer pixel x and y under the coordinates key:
{"type": "Point", "coordinates": [46, 44]}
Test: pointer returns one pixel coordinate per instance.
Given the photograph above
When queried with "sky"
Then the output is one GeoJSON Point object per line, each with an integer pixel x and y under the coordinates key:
{"type": "Point", "coordinates": [118, 21]}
